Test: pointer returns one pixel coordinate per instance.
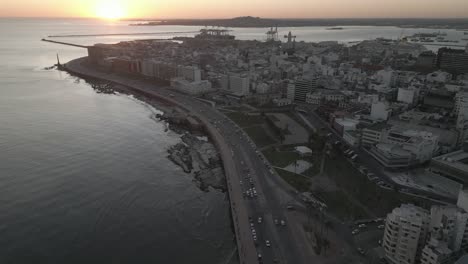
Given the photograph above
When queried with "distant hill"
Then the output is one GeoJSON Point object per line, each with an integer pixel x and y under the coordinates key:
{"type": "Point", "coordinates": [249, 21]}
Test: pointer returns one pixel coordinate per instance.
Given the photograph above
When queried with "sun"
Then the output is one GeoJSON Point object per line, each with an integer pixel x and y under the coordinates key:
{"type": "Point", "coordinates": [109, 10]}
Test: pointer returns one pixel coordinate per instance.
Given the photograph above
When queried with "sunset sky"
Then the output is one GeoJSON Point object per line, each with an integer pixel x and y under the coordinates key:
{"type": "Point", "coordinates": [233, 8]}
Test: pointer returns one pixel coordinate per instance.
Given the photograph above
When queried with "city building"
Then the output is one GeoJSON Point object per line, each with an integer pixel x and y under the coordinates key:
{"type": "Point", "coordinates": [193, 88]}
{"type": "Point", "coordinates": [397, 147]}
{"type": "Point", "coordinates": [239, 85]}
{"type": "Point", "coordinates": [380, 111]}
{"type": "Point", "coordinates": [298, 90]}
{"type": "Point", "coordinates": [427, 59]}
{"type": "Point", "coordinates": [453, 165]}
{"type": "Point", "coordinates": [415, 235]}
{"type": "Point", "coordinates": [407, 95]}
{"type": "Point", "coordinates": [190, 73]}
{"type": "Point", "coordinates": [405, 234]}
{"type": "Point", "coordinates": [319, 96]}
{"type": "Point", "coordinates": [454, 61]}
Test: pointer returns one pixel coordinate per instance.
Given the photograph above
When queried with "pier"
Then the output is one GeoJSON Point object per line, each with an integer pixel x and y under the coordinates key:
{"type": "Point", "coordinates": [65, 43]}
{"type": "Point", "coordinates": [121, 34]}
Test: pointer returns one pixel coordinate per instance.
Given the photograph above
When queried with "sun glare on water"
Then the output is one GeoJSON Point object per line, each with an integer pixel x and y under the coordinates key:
{"type": "Point", "coordinates": [110, 10]}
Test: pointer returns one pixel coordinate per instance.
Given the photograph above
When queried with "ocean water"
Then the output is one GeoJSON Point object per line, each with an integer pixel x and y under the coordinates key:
{"type": "Point", "coordinates": [84, 176]}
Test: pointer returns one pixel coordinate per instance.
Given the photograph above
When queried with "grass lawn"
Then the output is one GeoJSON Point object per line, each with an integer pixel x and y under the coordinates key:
{"type": "Point", "coordinates": [376, 199]}
{"type": "Point", "coordinates": [259, 136]}
{"type": "Point", "coordinates": [341, 206]}
{"type": "Point", "coordinates": [281, 158]}
{"type": "Point", "coordinates": [244, 120]}
{"type": "Point", "coordinates": [300, 183]}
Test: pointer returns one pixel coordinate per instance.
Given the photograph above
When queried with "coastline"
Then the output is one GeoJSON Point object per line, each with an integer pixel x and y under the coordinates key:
{"type": "Point", "coordinates": [196, 156]}
{"type": "Point", "coordinates": [141, 88]}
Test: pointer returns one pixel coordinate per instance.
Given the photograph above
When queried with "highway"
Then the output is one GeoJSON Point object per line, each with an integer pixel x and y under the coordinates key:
{"type": "Point", "coordinates": [245, 168]}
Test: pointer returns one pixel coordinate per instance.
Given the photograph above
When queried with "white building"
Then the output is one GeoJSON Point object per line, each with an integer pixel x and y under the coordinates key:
{"type": "Point", "coordinates": [239, 85]}
{"type": "Point", "coordinates": [407, 95]}
{"type": "Point", "coordinates": [386, 77]}
{"type": "Point", "coordinates": [190, 73]}
{"type": "Point", "coordinates": [436, 252]}
{"type": "Point", "coordinates": [405, 234]}
{"type": "Point", "coordinates": [397, 146]}
{"type": "Point", "coordinates": [194, 88]}
{"type": "Point", "coordinates": [414, 235]}
{"type": "Point", "coordinates": [380, 111]}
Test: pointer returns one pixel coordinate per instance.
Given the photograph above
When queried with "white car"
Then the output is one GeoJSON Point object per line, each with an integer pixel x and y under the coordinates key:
{"type": "Point", "coordinates": [362, 226]}
{"type": "Point", "coordinates": [267, 243]}
{"type": "Point", "coordinates": [381, 227]}
{"type": "Point", "coordinates": [355, 232]}
{"type": "Point", "coordinates": [283, 223]}
{"type": "Point", "coordinates": [259, 220]}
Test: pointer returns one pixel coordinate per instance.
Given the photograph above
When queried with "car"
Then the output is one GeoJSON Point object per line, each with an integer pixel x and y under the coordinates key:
{"type": "Point", "coordinates": [381, 227]}
{"type": "Point", "coordinates": [267, 243]}
{"type": "Point", "coordinates": [259, 256]}
{"type": "Point", "coordinates": [252, 225]}
{"type": "Point", "coordinates": [362, 226]}
{"type": "Point", "coordinates": [290, 207]}
{"type": "Point", "coordinates": [276, 221]}
{"type": "Point", "coordinates": [355, 232]}
{"type": "Point", "coordinates": [259, 220]}
{"type": "Point", "coordinates": [283, 223]}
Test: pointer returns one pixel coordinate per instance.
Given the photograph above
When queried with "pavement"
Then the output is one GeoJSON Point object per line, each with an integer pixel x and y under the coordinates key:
{"type": "Point", "coordinates": [242, 162]}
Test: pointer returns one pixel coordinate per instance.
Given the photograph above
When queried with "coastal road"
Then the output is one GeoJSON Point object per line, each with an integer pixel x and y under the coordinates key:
{"type": "Point", "coordinates": [273, 194]}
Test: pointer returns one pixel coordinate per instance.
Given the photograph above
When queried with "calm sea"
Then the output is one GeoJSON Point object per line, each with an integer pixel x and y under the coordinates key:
{"type": "Point", "coordinates": [84, 176]}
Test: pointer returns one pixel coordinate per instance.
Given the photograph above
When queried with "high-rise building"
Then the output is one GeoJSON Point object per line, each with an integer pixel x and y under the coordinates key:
{"type": "Point", "coordinates": [239, 85]}
{"type": "Point", "coordinates": [454, 61]}
{"type": "Point", "coordinates": [298, 90]}
{"type": "Point", "coordinates": [414, 235]}
{"type": "Point", "coordinates": [405, 234]}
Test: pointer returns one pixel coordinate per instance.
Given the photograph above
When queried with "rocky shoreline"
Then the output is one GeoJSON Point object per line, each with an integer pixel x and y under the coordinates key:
{"type": "Point", "coordinates": [197, 156]}
{"type": "Point", "coordinates": [194, 155]}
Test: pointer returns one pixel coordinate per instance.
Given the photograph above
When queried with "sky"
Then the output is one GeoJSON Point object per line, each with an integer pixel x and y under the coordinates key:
{"type": "Point", "coordinates": [234, 8]}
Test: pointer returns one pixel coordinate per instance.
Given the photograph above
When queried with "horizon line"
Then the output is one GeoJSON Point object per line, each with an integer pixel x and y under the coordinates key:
{"type": "Point", "coordinates": [214, 18]}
